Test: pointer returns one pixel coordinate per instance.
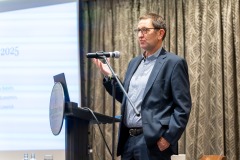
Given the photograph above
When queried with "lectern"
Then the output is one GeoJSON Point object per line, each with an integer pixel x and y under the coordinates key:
{"type": "Point", "coordinates": [77, 120]}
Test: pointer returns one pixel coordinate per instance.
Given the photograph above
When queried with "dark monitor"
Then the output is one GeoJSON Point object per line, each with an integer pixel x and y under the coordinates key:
{"type": "Point", "coordinates": [61, 78]}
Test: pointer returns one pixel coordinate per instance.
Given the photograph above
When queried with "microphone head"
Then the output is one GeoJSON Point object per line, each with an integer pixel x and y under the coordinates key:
{"type": "Point", "coordinates": [116, 54]}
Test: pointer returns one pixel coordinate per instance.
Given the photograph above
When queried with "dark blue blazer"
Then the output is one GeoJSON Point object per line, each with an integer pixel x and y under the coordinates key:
{"type": "Point", "coordinates": [166, 101]}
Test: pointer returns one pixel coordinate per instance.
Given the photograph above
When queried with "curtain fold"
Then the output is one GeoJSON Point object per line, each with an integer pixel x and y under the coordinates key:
{"type": "Point", "coordinates": [205, 32]}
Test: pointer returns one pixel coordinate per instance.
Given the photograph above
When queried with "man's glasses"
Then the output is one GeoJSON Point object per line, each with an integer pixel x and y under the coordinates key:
{"type": "Point", "coordinates": [143, 30]}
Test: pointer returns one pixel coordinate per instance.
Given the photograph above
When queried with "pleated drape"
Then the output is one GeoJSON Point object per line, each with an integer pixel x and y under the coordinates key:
{"type": "Point", "coordinates": [205, 32]}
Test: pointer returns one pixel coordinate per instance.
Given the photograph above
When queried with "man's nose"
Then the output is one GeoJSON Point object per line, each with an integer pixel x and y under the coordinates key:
{"type": "Point", "coordinates": [140, 34]}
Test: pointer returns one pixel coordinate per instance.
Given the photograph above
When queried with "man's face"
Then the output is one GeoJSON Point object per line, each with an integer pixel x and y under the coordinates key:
{"type": "Point", "coordinates": [149, 39]}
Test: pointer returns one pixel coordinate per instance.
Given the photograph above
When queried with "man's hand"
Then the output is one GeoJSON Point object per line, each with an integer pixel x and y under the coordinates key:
{"type": "Point", "coordinates": [163, 144]}
{"type": "Point", "coordinates": [103, 67]}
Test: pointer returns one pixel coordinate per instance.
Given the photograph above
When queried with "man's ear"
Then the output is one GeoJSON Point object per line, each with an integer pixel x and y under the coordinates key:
{"type": "Point", "coordinates": [161, 33]}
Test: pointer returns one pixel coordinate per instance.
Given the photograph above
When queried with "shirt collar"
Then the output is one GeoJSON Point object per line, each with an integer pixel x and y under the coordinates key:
{"type": "Point", "coordinates": [153, 56]}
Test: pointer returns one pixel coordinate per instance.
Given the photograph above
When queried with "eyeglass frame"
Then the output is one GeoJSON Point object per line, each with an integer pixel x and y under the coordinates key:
{"type": "Point", "coordinates": [143, 30]}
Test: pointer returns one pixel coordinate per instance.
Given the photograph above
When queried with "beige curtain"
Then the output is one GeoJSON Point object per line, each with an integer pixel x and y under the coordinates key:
{"type": "Point", "coordinates": [205, 32]}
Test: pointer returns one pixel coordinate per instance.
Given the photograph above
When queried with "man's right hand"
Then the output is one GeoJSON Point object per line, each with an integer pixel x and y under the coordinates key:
{"type": "Point", "coordinates": [103, 67]}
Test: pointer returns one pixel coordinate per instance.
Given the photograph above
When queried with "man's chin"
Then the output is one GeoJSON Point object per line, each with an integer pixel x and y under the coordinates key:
{"type": "Point", "coordinates": [143, 47]}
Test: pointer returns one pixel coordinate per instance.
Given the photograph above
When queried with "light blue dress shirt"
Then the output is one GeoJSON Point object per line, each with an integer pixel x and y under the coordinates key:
{"type": "Point", "coordinates": [136, 89]}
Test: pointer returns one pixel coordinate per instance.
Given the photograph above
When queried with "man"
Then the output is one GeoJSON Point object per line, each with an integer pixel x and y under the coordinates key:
{"type": "Point", "coordinates": [157, 83]}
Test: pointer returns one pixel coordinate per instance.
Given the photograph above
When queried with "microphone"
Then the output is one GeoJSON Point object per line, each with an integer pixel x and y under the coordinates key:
{"type": "Point", "coordinates": [115, 54]}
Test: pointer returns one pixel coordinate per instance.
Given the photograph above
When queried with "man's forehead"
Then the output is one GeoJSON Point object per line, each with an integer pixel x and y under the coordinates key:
{"type": "Point", "coordinates": [145, 22]}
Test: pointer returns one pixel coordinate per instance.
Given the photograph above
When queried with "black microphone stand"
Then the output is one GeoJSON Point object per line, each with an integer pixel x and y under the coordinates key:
{"type": "Point", "coordinates": [115, 79]}
{"type": "Point", "coordinates": [120, 85]}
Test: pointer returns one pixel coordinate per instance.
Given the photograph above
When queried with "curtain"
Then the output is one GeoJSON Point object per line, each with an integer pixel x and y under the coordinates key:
{"type": "Point", "coordinates": [205, 32]}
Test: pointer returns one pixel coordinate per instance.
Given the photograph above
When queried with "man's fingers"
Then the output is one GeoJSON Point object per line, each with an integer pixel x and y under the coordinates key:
{"type": "Point", "coordinates": [162, 144]}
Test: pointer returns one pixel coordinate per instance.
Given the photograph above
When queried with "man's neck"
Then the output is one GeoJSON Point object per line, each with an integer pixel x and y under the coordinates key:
{"type": "Point", "coordinates": [149, 53]}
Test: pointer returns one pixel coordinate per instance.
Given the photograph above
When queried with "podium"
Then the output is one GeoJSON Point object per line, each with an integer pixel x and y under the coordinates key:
{"type": "Point", "coordinates": [77, 121]}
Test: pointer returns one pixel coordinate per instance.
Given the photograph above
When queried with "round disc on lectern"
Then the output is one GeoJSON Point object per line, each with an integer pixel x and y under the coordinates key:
{"type": "Point", "coordinates": [56, 108]}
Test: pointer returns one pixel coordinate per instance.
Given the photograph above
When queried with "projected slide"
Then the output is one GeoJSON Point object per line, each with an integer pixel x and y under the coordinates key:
{"type": "Point", "coordinates": [35, 44]}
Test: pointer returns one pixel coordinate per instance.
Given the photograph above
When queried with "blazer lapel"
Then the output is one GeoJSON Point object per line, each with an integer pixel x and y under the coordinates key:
{"type": "Point", "coordinates": [131, 72]}
{"type": "Point", "coordinates": [128, 77]}
{"type": "Point", "coordinates": [156, 69]}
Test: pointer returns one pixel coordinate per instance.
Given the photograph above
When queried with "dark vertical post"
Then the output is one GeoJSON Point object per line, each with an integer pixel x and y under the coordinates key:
{"type": "Point", "coordinates": [113, 81]}
{"type": "Point", "coordinates": [76, 145]}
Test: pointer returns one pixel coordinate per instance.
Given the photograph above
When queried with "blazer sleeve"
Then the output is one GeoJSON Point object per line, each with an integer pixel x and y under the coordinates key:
{"type": "Point", "coordinates": [180, 87]}
{"type": "Point", "coordinates": [108, 86]}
